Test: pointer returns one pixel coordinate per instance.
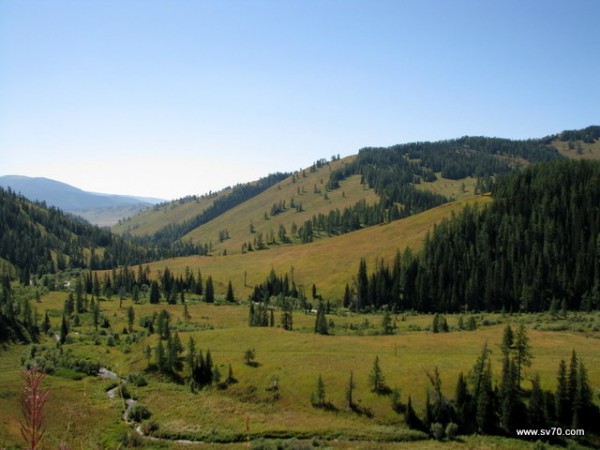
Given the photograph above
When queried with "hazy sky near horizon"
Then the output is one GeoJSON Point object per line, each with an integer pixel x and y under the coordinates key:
{"type": "Point", "coordinates": [179, 97]}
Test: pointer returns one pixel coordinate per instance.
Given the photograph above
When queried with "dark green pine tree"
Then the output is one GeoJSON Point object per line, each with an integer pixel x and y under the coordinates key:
{"type": "Point", "coordinates": [191, 353]}
{"type": "Point", "coordinates": [208, 368]}
{"type": "Point", "coordinates": [507, 341]}
{"type": "Point", "coordinates": [585, 414]}
{"type": "Point", "coordinates": [148, 354]}
{"type": "Point", "coordinates": [69, 307]}
{"type": "Point", "coordinates": [209, 292]}
{"type": "Point", "coordinates": [350, 391]}
{"type": "Point", "coordinates": [96, 314]}
{"type": "Point", "coordinates": [347, 297]}
{"type": "Point", "coordinates": [462, 399]}
{"type": "Point", "coordinates": [176, 348]}
{"type": "Point", "coordinates": [321, 326]}
{"type": "Point", "coordinates": [286, 316]}
{"type": "Point", "coordinates": [229, 297]}
{"type": "Point", "coordinates": [319, 395]}
{"type": "Point", "coordinates": [159, 354]}
{"type": "Point", "coordinates": [46, 325]}
{"type": "Point", "coordinates": [199, 284]}
{"type": "Point", "coordinates": [64, 330]}
{"type": "Point", "coordinates": [163, 324]}
{"type": "Point", "coordinates": [230, 378]}
{"type": "Point", "coordinates": [411, 418]}
{"type": "Point", "coordinates": [522, 353]}
{"type": "Point", "coordinates": [376, 378]}
{"type": "Point", "coordinates": [362, 285]}
{"type": "Point", "coordinates": [486, 415]}
{"type": "Point", "coordinates": [130, 318]}
{"type": "Point", "coordinates": [387, 325]}
{"type": "Point", "coordinates": [572, 382]}
{"type": "Point", "coordinates": [508, 397]}
{"type": "Point", "coordinates": [154, 293]}
{"type": "Point", "coordinates": [251, 314]}
{"type": "Point", "coordinates": [171, 358]}
{"type": "Point", "coordinates": [536, 411]}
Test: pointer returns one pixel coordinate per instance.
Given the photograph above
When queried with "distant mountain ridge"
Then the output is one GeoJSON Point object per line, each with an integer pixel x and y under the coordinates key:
{"type": "Point", "coordinates": [67, 197]}
{"type": "Point", "coordinates": [97, 208]}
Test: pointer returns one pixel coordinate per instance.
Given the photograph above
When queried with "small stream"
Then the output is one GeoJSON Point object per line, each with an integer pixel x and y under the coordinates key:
{"type": "Point", "coordinates": [113, 393]}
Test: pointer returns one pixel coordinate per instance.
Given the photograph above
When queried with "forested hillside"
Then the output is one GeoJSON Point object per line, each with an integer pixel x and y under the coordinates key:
{"type": "Point", "coordinates": [37, 240]}
{"type": "Point", "coordinates": [394, 171]}
{"type": "Point", "coordinates": [537, 246]}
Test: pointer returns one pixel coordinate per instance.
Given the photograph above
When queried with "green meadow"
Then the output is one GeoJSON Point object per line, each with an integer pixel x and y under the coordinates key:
{"type": "Point", "coordinates": [272, 398]}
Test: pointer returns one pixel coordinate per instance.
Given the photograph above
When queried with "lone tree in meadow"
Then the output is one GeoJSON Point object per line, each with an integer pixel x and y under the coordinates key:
{"type": "Point", "coordinates": [350, 391]}
{"type": "Point", "coordinates": [230, 297]}
{"type": "Point", "coordinates": [318, 397]}
{"type": "Point", "coordinates": [249, 356]}
{"type": "Point", "coordinates": [387, 324]}
{"type": "Point", "coordinates": [376, 378]}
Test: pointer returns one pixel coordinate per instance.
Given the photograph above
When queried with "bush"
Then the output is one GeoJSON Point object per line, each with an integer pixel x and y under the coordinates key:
{"type": "Point", "coordinates": [437, 431]}
{"type": "Point", "coordinates": [138, 412]}
{"type": "Point", "coordinates": [451, 431]}
{"type": "Point", "coordinates": [149, 427]}
{"type": "Point", "coordinates": [137, 380]}
{"type": "Point", "coordinates": [129, 438]}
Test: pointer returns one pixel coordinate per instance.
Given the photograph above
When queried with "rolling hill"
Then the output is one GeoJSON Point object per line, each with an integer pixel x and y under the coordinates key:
{"type": "Point", "coordinates": [329, 198]}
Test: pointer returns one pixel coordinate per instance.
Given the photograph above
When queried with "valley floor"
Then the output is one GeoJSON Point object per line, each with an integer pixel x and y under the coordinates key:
{"type": "Point", "coordinates": [272, 396]}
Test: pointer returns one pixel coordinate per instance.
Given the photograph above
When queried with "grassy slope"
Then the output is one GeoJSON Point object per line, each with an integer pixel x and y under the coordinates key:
{"type": "Point", "coordinates": [331, 273]}
{"type": "Point", "coordinates": [237, 221]}
{"type": "Point", "coordinates": [452, 189]}
{"type": "Point", "coordinates": [152, 219]}
{"type": "Point", "coordinates": [588, 151]}
{"type": "Point", "coordinates": [80, 413]}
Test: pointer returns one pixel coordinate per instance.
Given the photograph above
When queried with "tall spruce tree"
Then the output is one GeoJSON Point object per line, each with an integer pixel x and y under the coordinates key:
{"type": "Point", "coordinates": [522, 353]}
{"type": "Point", "coordinates": [209, 292]}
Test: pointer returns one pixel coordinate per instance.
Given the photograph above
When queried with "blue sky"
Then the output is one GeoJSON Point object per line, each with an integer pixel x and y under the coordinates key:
{"type": "Point", "coordinates": [170, 98]}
